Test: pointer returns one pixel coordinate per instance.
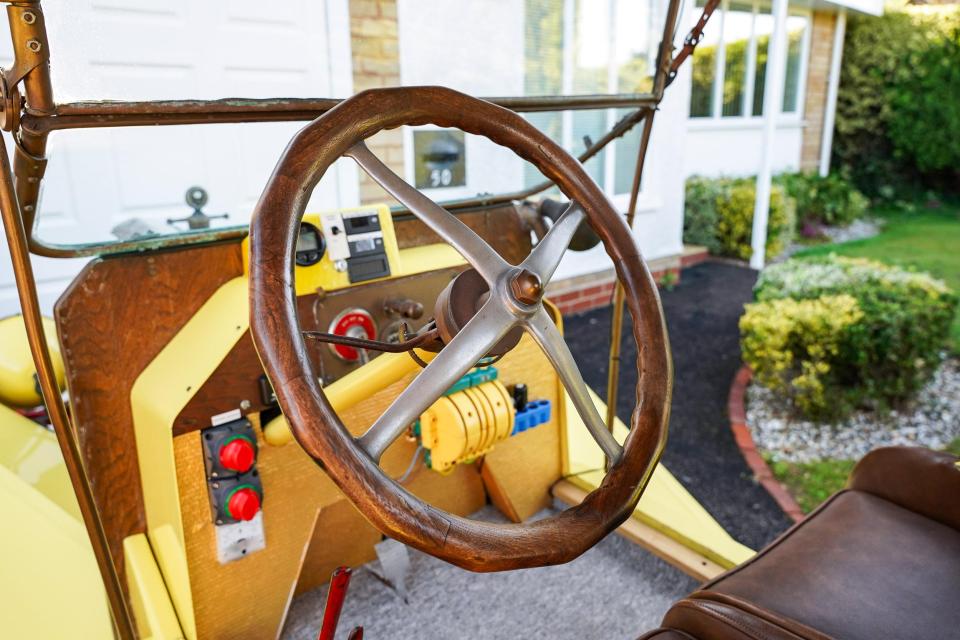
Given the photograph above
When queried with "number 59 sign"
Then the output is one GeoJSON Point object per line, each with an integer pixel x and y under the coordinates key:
{"type": "Point", "coordinates": [440, 159]}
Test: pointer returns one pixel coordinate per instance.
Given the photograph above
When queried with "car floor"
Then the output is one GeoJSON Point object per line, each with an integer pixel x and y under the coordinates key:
{"type": "Point", "coordinates": [615, 590]}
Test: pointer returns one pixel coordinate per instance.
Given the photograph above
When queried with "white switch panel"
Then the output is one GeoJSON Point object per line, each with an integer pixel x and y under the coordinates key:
{"type": "Point", "coordinates": [235, 541]}
{"type": "Point", "coordinates": [335, 235]}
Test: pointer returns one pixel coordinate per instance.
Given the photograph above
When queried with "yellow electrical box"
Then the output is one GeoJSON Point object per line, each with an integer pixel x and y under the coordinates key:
{"type": "Point", "coordinates": [466, 424]}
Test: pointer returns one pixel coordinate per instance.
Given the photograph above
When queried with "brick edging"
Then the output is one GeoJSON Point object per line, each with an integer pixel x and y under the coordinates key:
{"type": "Point", "coordinates": [748, 448]}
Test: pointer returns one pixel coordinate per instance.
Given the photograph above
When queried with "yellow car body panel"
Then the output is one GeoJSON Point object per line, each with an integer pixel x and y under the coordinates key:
{"type": "Point", "coordinates": [50, 586]}
{"type": "Point", "coordinates": [665, 506]}
{"type": "Point", "coordinates": [18, 387]}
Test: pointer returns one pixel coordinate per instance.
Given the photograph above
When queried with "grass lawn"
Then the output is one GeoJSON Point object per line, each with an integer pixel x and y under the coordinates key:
{"type": "Point", "coordinates": [927, 239]}
{"type": "Point", "coordinates": [811, 483]}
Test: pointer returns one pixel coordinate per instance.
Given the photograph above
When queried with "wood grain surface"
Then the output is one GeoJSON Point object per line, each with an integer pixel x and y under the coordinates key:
{"type": "Point", "coordinates": [113, 320]}
{"type": "Point", "coordinates": [500, 226]}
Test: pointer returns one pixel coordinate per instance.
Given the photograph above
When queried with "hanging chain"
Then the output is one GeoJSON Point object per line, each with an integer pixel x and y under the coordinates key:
{"type": "Point", "coordinates": [692, 40]}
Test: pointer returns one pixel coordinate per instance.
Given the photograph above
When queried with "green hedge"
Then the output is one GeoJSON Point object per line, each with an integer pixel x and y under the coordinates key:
{"type": "Point", "coordinates": [829, 200]}
{"type": "Point", "coordinates": [835, 333]}
{"type": "Point", "coordinates": [719, 215]}
{"type": "Point", "coordinates": [898, 116]}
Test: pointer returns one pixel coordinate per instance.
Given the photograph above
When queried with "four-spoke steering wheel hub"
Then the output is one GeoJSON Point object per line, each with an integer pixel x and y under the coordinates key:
{"type": "Point", "coordinates": [484, 311]}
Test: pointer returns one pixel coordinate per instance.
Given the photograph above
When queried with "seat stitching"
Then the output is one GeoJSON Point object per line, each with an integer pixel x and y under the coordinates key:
{"type": "Point", "coordinates": [765, 614]}
{"type": "Point", "coordinates": [745, 627]}
{"type": "Point", "coordinates": [730, 620]}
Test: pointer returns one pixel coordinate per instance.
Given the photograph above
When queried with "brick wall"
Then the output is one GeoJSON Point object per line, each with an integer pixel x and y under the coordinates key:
{"type": "Point", "coordinates": [586, 292]}
{"type": "Point", "coordinates": [376, 63]}
{"type": "Point", "coordinates": [818, 77]}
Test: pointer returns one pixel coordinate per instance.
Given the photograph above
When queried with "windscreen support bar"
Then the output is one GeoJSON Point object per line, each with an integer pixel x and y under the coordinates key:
{"type": "Point", "coordinates": [52, 398]}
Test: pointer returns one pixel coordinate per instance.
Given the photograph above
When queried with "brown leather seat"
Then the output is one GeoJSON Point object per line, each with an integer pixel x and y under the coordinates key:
{"type": "Point", "coordinates": [880, 559]}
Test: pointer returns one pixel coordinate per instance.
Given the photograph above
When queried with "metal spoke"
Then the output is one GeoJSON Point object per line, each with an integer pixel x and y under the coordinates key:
{"type": "Point", "coordinates": [472, 247]}
{"type": "Point", "coordinates": [545, 332]}
{"type": "Point", "coordinates": [545, 257]}
{"type": "Point", "coordinates": [471, 344]}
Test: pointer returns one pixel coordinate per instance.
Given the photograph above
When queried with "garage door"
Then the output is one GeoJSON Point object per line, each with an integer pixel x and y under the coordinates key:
{"type": "Point", "coordinates": [173, 49]}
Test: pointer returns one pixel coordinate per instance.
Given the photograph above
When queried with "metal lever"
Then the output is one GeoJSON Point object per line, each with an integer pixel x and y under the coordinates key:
{"type": "Point", "coordinates": [405, 308]}
{"type": "Point", "coordinates": [336, 594]}
{"type": "Point", "coordinates": [421, 340]}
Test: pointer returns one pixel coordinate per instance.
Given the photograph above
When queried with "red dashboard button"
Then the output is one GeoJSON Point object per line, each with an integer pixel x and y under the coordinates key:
{"type": "Point", "coordinates": [243, 504]}
{"type": "Point", "coordinates": [238, 455]}
{"type": "Point", "coordinates": [354, 322]}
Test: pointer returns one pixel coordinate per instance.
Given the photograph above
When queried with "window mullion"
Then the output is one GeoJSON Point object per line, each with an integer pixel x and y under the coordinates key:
{"type": "Point", "coordinates": [751, 64]}
{"type": "Point", "coordinates": [720, 62]}
{"type": "Point", "coordinates": [569, 59]}
{"type": "Point", "coordinates": [610, 157]}
{"type": "Point", "coordinates": [804, 64]}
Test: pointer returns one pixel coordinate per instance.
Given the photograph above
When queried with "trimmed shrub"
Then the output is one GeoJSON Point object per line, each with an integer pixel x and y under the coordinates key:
{"type": "Point", "coordinates": [836, 333]}
{"type": "Point", "coordinates": [792, 345]}
{"type": "Point", "coordinates": [897, 109]}
{"type": "Point", "coordinates": [719, 215]}
{"type": "Point", "coordinates": [829, 200]}
{"type": "Point", "coordinates": [700, 213]}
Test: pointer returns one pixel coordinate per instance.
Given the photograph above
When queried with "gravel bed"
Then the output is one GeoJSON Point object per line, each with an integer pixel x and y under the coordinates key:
{"type": "Point", "coordinates": [931, 420]}
{"type": "Point", "coordinates": [856, 230]}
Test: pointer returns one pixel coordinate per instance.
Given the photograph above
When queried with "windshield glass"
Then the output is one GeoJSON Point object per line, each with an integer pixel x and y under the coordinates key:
{"type": "Point", "coordinates": [112, 184]}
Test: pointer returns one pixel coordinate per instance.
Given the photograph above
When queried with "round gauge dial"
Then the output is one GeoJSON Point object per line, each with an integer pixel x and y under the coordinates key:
{"type": "Point", "coordinates": [310, 245]}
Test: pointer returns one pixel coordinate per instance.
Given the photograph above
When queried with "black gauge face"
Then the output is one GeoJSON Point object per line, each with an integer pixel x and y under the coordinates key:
{"type": "Point", "coordinates": [310, 245]}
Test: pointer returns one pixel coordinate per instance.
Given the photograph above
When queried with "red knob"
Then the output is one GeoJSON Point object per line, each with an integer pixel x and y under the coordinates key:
{"type": "Point", "coordinates": [238, 455]}
{"type": "Point", "coordinates": [243, 504]}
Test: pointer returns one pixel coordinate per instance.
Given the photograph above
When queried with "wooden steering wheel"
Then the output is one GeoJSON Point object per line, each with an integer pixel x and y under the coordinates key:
{"type": "Point", "coordinates": [514, 300]}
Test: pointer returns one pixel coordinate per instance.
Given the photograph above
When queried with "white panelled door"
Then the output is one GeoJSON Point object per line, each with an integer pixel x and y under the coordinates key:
{"type": "Point", "coordinates": [176, 49]}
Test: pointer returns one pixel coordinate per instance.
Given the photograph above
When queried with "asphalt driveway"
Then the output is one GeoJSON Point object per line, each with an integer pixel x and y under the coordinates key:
{"type": "Point", "coordinates": [702, 313]}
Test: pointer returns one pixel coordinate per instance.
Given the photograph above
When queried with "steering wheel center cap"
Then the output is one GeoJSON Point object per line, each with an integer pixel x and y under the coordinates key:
{"type": "Point", "coordinates": [526, 287]}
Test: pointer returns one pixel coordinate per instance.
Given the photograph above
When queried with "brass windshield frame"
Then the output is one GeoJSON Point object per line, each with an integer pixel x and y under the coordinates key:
{"type": "Point", "coordinates": [41, 115]}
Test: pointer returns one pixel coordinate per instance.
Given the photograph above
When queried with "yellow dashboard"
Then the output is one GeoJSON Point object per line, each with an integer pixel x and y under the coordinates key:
{"type": "Point", "coordinates": [344, 247]}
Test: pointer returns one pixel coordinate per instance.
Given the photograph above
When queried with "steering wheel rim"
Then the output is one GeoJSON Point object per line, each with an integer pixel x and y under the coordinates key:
{"type": "Point", "coordinates": [275, 328]}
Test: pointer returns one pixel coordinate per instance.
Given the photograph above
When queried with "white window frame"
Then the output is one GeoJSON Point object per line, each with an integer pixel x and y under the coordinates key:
{"type": "Point", "coordinates": [716, 118]}
{"type": "Point", "coordinates": [645, 202]}
{"type": "Point", "coordinates": [620, 200]}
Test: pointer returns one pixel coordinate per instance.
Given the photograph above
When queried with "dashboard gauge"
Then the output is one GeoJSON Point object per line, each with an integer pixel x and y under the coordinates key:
{"type": "Point", "coordinates": [391, 332]}
{"type": "Point", "coordinates": [310, 245]}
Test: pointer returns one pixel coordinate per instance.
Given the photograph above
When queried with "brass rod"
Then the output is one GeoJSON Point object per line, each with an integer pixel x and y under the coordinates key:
{"type": "Point", "coordinates": [82, 115]}
{"type": "Point", "coordinates": [66, 437]}
{"type": "Point", "coordinates": [616, 324]}
{"type": "Point", "coordinates": [28, 33]}
{"type": "Point", "coordinates": [664, 57]}
{"type": "Point", "coordinates": [661, 79]}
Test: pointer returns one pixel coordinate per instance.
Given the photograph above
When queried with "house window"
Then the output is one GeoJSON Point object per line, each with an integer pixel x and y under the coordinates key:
{"type": "Point", "coordinates": [730, 64]}
{"type": "Point", "coordinates": [585, 47]}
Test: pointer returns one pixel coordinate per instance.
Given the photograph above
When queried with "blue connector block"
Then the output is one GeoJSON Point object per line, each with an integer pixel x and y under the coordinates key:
{"type": "Point", "coordinates": [535, 413]}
